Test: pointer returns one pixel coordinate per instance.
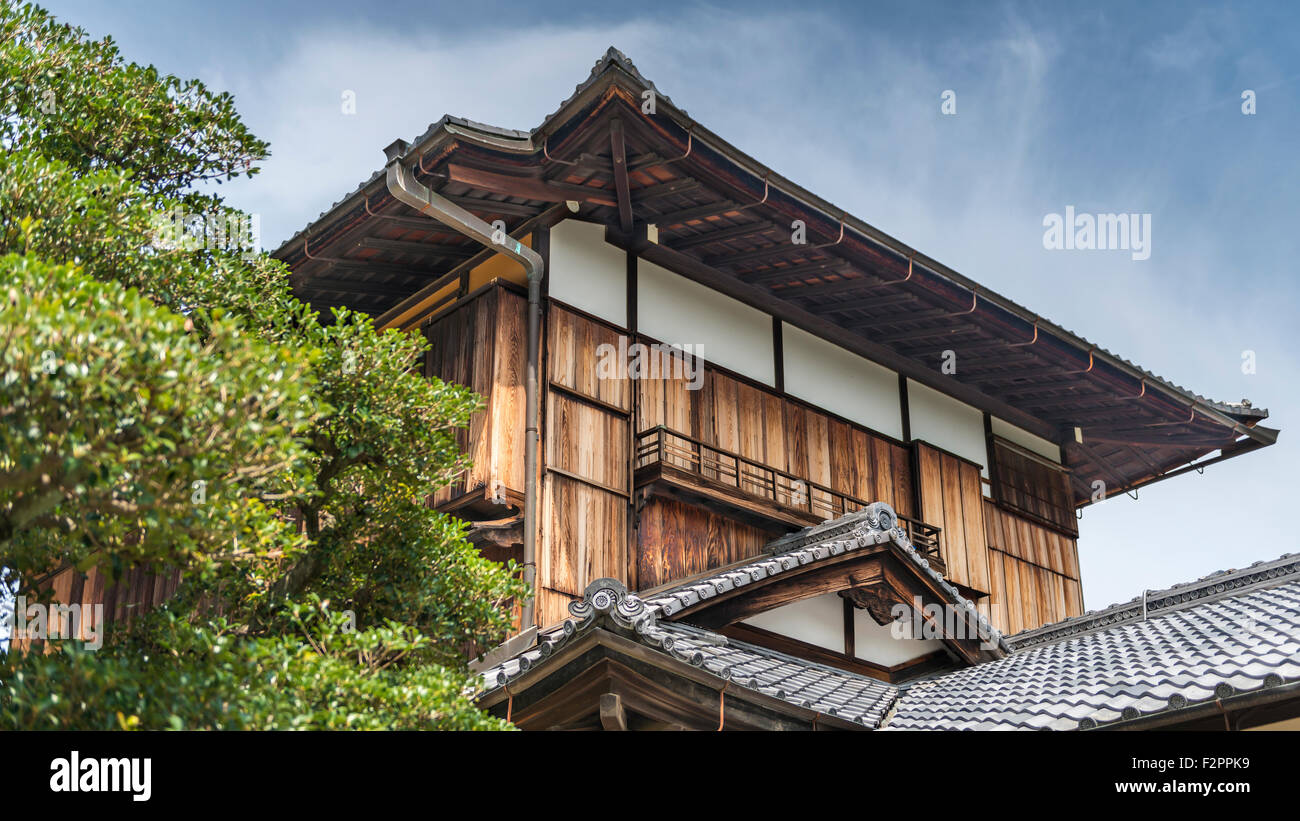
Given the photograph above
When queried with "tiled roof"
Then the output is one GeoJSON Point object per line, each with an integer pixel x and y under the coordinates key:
{"type": "Point", "coordinates": [875, 524]}
{"type": "Point", "coordinates": [1155, 602]}
{"type": "Point", "coordinates": [1223, 643]}
{"type": "Point", "coordinates": [829, 691]}
{"type": "Point", "coordinates": [611, 58]}
{"type": "Point", "coordinates": [1222, 640]}
{"type": "Point", "coordinates": [1230, 633]}
{"type": "Point", "coordinates": [615, 60]}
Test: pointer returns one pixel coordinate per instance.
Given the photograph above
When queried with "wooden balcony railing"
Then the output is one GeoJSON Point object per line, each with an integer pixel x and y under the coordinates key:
{"type": "Point", "coordinates": [733, 473]}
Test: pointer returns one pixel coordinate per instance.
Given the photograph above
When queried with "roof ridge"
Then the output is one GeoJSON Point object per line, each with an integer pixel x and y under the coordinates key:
{"type": "Point", "coordinates": [1212, 587]}
{"type": "Point", "coordinates": [877, 523]}
{"type": "Point", "coordinates": [607, 603]}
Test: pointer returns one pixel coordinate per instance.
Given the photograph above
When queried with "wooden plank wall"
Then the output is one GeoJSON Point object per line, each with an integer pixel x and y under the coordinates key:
{"type": "Point", "coordinates": [1034, 486]}
{"type": "Point", "coordinates": [586, 485]}
{"type": "Point", "coordinates": [138, 590]}
{"type": "Point", "coordinates": [676, 540]}
{"type": "Point", "coordinates": [952, 498]}
{"type": "Point", "coordinates": [1033, 570]}
{"type": "Point", "coordinates": [761, 425]}
{"type": "Point", "coordinates": [482, 345]}
{"type": "Point", "coordinates": [587, 454]}
{"type": "Point", "coordinates": [1029, 572]}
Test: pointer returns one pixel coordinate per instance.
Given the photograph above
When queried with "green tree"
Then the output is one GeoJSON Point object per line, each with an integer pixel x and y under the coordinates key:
{"type": "Point", "coordinates": [167, 401]}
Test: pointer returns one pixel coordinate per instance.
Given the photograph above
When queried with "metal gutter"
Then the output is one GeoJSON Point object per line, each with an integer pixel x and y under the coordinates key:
{"type": "Point", "coordinates": [405, 188]}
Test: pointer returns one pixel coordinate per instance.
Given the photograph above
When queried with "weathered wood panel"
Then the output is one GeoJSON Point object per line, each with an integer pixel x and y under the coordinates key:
{"type": "Point", "coordinates": [483, 346]}
{"type": "Point", "coordinates": [952, 499]}
{"type": "Point", "coordinates": [1033, 486]}
{"type": "Point", "coordinates": [552, 606]}
{"type": "Point", "coordinates": [138, 590]}
{"type": "Point", "coordinates": [588, 358]}
{"type": "Point", "coordinates": [587, 441]}
{"type": "Point", "coordinates": [726, 413]}
{"type": "Point", "coordinates": [1030, 542]}
{"type": "Point", "coordinates": [507, 401]}
{"type": "Point", "coordinates": [733, 415]}
{"type": "Point", "coordinates": [584, 535]}
{"type": "Point", "coordinates": [1034, 572]}
{"type": "Point", "coordinates": [675, 540]}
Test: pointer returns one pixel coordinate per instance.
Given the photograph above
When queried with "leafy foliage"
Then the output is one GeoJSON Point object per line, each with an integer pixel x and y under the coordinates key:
{"type": "Point", "coordinates": [76, 100]}
{"type": "Point", "coordinates": [127, 437]}
{"type": "Point", "coordinates": [212, 678]}
{"type": "Point", "coordinates": [133, 366]}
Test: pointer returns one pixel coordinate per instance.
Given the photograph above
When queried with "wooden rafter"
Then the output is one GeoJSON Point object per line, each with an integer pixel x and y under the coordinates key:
{"type": "Point", "coordinates": [618, 161]}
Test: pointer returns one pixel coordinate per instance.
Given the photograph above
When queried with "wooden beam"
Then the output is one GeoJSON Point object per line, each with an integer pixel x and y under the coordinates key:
{"type": "Point", "coordinates": [767, 253]}
{"type": "Point", "coordinates": [424, 274]}
{"type": "Point", "coordinates": [612, 716]}
{"type": "Point", "coordinates": [493, 207]}
{"type": "Point", "coordinates": [618, 160]}
{"type": "Point", "coordinates": [778, 351]}
{"type": "Point", "coordinates": [401, 246]}
{"type": "Point", "coordinates": [860, 568]}
{"type": "Point", "coordinates": [419, 223]}
{"type": "Point", "coordinates": [819, 268]}
{"type": "Point", "coordinates": [747, 230]}
{"type": "Point", "coordinates": [357, 287]}
{"type": "Point", "coordinates": [527, 187]}
{"type": "Point", "coordinates": [844, 305]}
{"type": "Point", "coordinates": [664, 189]}
{"type": "Point", "coordinates": [849, 629]}
{"type": "Point", "coordinates": [698, 212]}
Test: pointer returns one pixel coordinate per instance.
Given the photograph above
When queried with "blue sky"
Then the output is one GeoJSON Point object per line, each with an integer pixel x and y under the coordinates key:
{"type": "Point", "coordinates": [1109, 107]}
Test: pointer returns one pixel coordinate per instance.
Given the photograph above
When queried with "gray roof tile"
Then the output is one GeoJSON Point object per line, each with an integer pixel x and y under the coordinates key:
{"type": "Point", "coordinates": [1226, 634]}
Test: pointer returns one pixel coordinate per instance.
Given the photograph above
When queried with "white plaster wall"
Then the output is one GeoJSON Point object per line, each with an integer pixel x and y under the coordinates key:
{"type": "Point", "coordinates": [840, 381]}
{"type": "Point", "coordinates": [678, 311]}
{"type": "Point", "coordinates": [876, 643]}
{"type": "Point", "coordinates": [817, 620]}
{"type": "Point", "coordinates": [1026, 440]}
{"type": "Point", "coordinates": [947, 423]}
{"type": "Point", "coordinates": [587, 272]}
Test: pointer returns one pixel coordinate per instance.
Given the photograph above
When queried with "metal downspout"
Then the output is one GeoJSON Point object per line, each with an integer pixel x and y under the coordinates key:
{"type": "Point", "coordinates": [405, 188]}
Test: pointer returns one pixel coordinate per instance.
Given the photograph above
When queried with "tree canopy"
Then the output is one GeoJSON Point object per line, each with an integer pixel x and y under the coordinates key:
{"type": "Point", "coordinates": [166, 402]}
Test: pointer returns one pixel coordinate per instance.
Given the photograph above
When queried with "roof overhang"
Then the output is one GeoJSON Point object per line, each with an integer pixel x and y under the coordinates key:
{"type": "Point", "coordinates": [608, 681]}
{"type": "Point", "coordinates": [723, 219]}
{"type": "Point", "coordinates": [863, 556]}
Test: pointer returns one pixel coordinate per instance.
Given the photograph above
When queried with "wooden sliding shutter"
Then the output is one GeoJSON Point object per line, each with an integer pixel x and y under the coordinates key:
{"type": "Point", "coordinates": [952, 499]}
{"type": "Point", "coordinates": [1033, 486]}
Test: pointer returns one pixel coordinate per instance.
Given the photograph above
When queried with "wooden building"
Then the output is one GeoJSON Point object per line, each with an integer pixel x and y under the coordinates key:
{"type": "Point", "coordinates": [739, 393]}
{"type": "Point", "coordinates": [724, 358]}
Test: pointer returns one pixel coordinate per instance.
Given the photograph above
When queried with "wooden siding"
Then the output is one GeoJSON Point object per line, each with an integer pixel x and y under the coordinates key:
{"type": "Point", "coordinates": [587, 441]}
{"type": "Point", "coordinates": [952, 498]}
{"type": "Point", "coordinates": [586, 525]}
{"type": "Point", "coordinates": [733, 415]}
{"type": "Point", "coordinates": [676, 540]}
{"type": "Point", "coordinates": [482, 345]}
{"type": "Point", "coordinates": [1033, 486]}
{"type": "Point", "coordinates": [1034, 572]}
{"type": "Point", "coordinates": [586, 459]}
{"type": "Point", "coordinates": [573, 358]}
{"type": "Point", "coordinates": [584, 537]}
{"type": "Point", "coordinates": [138, 590]}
